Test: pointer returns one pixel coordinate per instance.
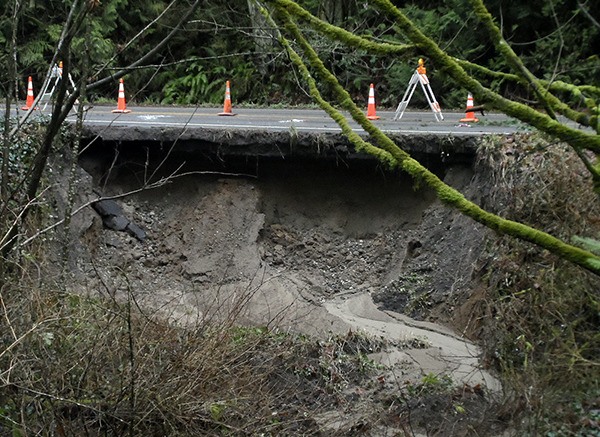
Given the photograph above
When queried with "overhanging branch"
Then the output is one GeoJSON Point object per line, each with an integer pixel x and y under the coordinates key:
{"type": "Point", "coordinates": [444, 192]}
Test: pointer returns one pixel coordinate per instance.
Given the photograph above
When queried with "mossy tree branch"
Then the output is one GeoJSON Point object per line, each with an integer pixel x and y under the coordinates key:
{"type": "Point", "coordinates": [582, 92]}
{"type": "Point", "coordinates": [508, 53]}
{"type": "Point", "coordinates": [342, 35]}
{"type": "Point", "coordinates": [358, 142]}
{"type": "Point", "coordinates": [578, 139]}
{"type": "Point", "coordinates": [445, 193]}
{"type": "Point", "coordinates": [549, 101]}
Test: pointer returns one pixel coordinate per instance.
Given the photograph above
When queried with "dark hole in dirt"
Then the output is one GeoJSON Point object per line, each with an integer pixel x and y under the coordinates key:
{"type": "Point", "coordinates": [339, 224]}
{"type": "Point", "coordinates": [356, 201]}
{"type": "Point", "coordinates": [345, 224]}
{"type": "Point", "coordinates": [356, 197]}
{"type": "Point", "coordinates": [320, 213]}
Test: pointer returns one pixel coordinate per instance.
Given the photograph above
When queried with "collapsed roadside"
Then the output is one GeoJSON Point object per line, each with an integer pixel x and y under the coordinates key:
{"type": "Point", "coordinates": [243, 250]}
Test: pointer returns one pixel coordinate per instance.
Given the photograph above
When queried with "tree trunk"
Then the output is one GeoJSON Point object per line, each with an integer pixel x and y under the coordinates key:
{"type": "Point", "coordinates": [264, 37]}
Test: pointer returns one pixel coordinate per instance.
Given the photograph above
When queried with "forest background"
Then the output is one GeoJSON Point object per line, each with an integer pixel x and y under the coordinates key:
{"type": "Point", "coordinates": [230, 41]}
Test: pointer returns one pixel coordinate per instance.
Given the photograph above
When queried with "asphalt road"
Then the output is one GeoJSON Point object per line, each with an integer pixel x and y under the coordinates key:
{"type": "Point", "coordinates": [313, 120]}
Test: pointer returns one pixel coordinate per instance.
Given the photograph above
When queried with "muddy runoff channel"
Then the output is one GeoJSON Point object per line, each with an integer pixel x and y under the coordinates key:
{"type": "Point", "coordinates": [320, 247]}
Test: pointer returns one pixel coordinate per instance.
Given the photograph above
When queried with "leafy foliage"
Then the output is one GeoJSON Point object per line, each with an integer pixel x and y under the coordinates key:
{"type": "Point", "coordinates": [216, 46]}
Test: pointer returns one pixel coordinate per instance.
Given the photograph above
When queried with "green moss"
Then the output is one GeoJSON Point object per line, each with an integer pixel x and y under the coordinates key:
{"type": "Point", "coordinates": [340, 34]}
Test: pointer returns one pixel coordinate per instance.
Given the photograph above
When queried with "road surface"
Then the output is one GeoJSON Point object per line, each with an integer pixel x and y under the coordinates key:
{"type": "Point", "coordinates": [308, 120]}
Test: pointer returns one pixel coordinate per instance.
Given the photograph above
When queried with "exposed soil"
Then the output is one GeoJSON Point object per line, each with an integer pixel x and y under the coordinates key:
{"type": "Point", "coordinates": [317, 247]}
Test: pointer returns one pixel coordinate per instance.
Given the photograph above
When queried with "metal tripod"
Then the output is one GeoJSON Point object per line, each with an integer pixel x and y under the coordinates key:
{"type": "Point", "coordinates": [421, 78]}
{"type": "Point", "coordinates": [55, 77]}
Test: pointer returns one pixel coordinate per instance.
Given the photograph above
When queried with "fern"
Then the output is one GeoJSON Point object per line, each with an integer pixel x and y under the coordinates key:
{"type": "Point", "coordinates": [588, 243]}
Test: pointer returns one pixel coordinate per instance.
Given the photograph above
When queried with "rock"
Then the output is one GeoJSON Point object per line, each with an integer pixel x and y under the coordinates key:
{"type": "Point", "coordinates": [107, 207]}
{"type": "Point", "coordinates": [116, 223]}
{"type": "Point", "coordinates": [135, 231]}
{"type": "Point", "coordinates": [113, 218]}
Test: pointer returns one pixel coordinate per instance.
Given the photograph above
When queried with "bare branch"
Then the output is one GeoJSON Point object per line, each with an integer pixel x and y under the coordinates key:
{"type": "Point", "coordinates": [586, 12]}
{"type": "Point", "coordinates": [12, 232]}
{"type": "Point", "coordinates": [140, 33]}
{"type": "Point", "coordinates": [343, 35]}
{"type": "Point", "coordinates": [26, 334]}
{"type": "Point", "coordinates": [151, 53]}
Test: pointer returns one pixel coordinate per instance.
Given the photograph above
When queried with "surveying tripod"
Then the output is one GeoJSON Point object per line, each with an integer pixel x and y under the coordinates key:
{"type": "Point", "coordinates": [55, 76]}
{"type": "Point", "coordinates": [419, 76]}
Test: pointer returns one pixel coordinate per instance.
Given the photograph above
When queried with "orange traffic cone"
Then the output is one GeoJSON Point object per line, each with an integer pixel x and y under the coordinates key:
{"type": "Point", "coordinates": [371, 106]}
{"type": "Point", "coordinates": [469, 113]}
{"type": "Point", "coordinates": [227, 102]}
{"type": "Point", "coordinates": [30, 98]}
{"type": "Point", "coordinates": [121, 106]}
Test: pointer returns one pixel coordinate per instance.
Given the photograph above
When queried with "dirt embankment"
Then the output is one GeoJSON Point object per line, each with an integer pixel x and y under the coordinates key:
{"type": "Point", "coordinates": [320, 247]}
{"type": "Point", "coordinates": [316, 247]}
{"type": "Point", "coordinates": [309, 246]}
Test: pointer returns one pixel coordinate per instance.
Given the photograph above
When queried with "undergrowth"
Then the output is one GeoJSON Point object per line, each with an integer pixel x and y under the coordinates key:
{"type": "Point", "coordinates": [74, 366]}
{"type": "Point", "coordinates": [541, 314]}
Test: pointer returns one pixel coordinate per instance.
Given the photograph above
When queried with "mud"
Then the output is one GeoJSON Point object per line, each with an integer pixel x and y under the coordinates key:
{"type": "Point", "coordinates": [315, 246]}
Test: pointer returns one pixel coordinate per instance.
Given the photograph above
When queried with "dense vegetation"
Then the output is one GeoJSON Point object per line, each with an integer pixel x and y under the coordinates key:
{"type": "Point", "coordinates": [538, 315]}
{"type": "Point", "coordinates": [230, 41]}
